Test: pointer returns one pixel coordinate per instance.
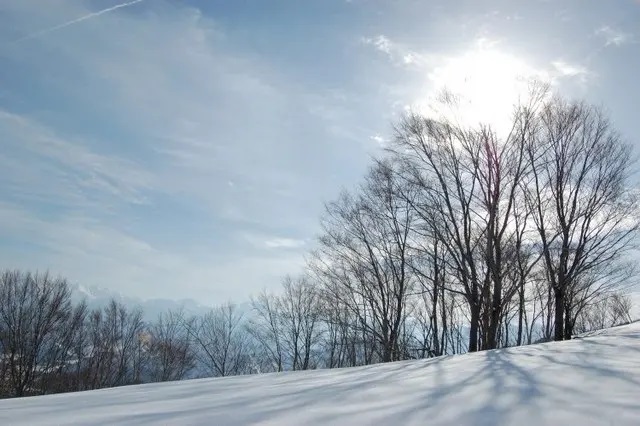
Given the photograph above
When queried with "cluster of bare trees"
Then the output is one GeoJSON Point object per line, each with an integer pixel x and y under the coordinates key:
{"type": "Point", "coordinates": [464, 239]}
{"type": "Point", "coordinates": [459, 239]}
{"type": "Point", "coordinates": [49, 345]}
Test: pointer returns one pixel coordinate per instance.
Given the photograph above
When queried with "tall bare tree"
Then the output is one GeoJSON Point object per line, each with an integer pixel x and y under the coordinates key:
{"type": "Point", "coordinates": [363, 260]}
{"type": "Point", "coordinates": [585, 212]}
{"type": "Point", "coordinates": [266, 329]}
{"type": "Point", "coordinates": [441, 160]}
{"type": "Point", "coordinates": [34, 309]}
{"type": "Point", "coordinates": [114, 353]}
{"type": "Point", "coordinates": [59, 362]}
{"type": "Point", "coordinates": [222, 341]}
{"type": "Point", "coordinates": [300, 317]}
{"type": "Point", "coordinates": [171, 353]}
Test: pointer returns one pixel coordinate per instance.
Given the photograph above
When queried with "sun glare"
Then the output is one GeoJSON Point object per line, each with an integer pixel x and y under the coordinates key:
{"type": "Point", "coordinates": [486, 84]}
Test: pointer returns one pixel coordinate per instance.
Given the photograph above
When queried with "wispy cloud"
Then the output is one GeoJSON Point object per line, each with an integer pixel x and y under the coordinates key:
{"type": "Point", "coordinates": [261, 240]}
{"type": "Point", "coordinates": [380, 42]}
{"type": "Point", "coordinates": [564, 74]}
{"type": "Point", "coordinates": [87, 251]}
{"type": "Point", "coordinates": [612, 36]}
{"type": "Point", "coordinates": [565, 69]}
{"type": "Point", "coordinates": [380, 140]}
{"type": "Point", "coordinates": [65, 171]}
{"type": "Point", "coordinates": [188, 137]}
{"type": "Point", "coordinates": [147, 202]}
{"type": "Point", "coordinates": [286, 243]}
{"type": "Point", "coordinates": [398, 53]}
{"type": "Point", "coordinates": [179, 94]}
{"type": "Point", "coordinates": [88, 16]}
{"type": "Point", "coordinates": [484, 64]}
{"type": "Point", "coordinates": [485, 78]}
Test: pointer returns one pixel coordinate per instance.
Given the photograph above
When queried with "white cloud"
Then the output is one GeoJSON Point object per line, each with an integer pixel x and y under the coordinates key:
{"type": "Point", "coordinates": [170, 79]}
{"type": "Point", "coordinates": [566, 70]}
{"type": "Point", "coordinates": [380, 140]}
{"type": "Point", "coordinates": [286, 243]}
{"type": "Point", "coordinates": [215, 132]}
{"type": "Point", "coordinates": [198, 107]}
{"type": "Point", "coordinates": [398, 53]}
{"type": "Point", "coordinates": [87, 251]}
{"type": "Point", "coordinates": [569, 70]}
{"type": "Point", "coordinates": [380, 42]}
{"type": "Point", "coordinates": [261, 240]}
{"type": "Point", "coordinates": [612, 36]}
{"type": "Point", "coordinates": [486, 80]}
{"type": "Point", "coordinates": [219, 131]}
{"type": "Point", "coordinates": [484, 59]}
{"type": "Point", "coordinates": [62, 170]}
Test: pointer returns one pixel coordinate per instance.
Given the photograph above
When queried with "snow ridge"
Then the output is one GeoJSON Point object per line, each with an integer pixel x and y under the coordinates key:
{"type": "Point", "coordinates": [592, 380]}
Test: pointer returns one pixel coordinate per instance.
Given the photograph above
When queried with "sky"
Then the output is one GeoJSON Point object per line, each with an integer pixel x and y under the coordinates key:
{"type": "Point", "coordinates": [185, 149]}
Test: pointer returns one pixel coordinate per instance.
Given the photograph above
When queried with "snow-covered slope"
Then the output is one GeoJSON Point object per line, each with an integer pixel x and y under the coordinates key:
{"type": "Point", "coordinates": [587, 381]}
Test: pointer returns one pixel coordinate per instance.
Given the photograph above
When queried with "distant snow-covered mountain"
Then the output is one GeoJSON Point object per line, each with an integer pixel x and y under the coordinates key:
{"type": "Point", "coordinates": [97, 297]}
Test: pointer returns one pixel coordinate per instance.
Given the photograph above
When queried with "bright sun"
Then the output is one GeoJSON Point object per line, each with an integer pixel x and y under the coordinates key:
{"type": "Point", "coordinates": [486, 82]}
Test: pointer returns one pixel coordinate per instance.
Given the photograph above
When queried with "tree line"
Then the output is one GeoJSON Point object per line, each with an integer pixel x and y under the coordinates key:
{"type": "Point", "coordinates": [503, 238]}
{"type": "Point", "coordinates": [458, 239]}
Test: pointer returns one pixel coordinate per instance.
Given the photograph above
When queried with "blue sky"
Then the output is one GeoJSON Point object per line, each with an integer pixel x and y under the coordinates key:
{"type": "Point", "coordinates": [185, 148]}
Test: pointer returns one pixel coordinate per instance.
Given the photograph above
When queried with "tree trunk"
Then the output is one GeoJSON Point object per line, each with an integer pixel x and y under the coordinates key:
{"type": "Point", "coordinates": [568, 324]}
{"type": "Point", "coordinates": [473, 328]}
{"type": "Point", "coordinates": [559, 314]}
{"type": "Point", "coordinates": [496, 315]}
{"type": "Point", "coordinates": [520, 314]}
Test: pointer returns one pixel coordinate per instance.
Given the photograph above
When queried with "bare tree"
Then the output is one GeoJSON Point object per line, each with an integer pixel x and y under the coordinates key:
{"type": "Point", "coordinates": [608, 310]}
{"type": "Point", "coordinates": [222, 341]}
{"type": "Point", "coordinates": [114, 355]}
{"type": "Point", "coordinates": [363, 260]}
{"type": "Point", "coordinates": [299, 317]}
{"type": "Point", "coordinates": [34, 309]}
{"type": "Point", "coordinates": [344, 343]}
{"type": "Point", "coordinates": [171, 353]}
{"type": "Point", "coordinates": [441, 161]}
{"type": "Point", "coordinates": [429, 264]}
{"type": "Point", "coordinates": [58, 368]}
{"type": "Point", "coordinates": [502, 166]}
{"type": "Point", "coordinates": [584, 210]}
{"type": "Point", "coordinates": [266, 329]}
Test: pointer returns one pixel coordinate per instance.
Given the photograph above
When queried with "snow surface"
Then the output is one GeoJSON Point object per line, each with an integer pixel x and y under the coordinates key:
{"type": "Point", "coordinates": [592, 380]}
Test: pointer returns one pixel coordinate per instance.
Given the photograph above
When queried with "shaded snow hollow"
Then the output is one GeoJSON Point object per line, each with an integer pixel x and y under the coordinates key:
{"type": "Point", "coordinates": [593, 380]}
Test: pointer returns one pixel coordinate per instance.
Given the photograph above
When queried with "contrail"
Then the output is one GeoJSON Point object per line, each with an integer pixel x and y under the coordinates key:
{"type": "Point", "coordinates": [75, 21]}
